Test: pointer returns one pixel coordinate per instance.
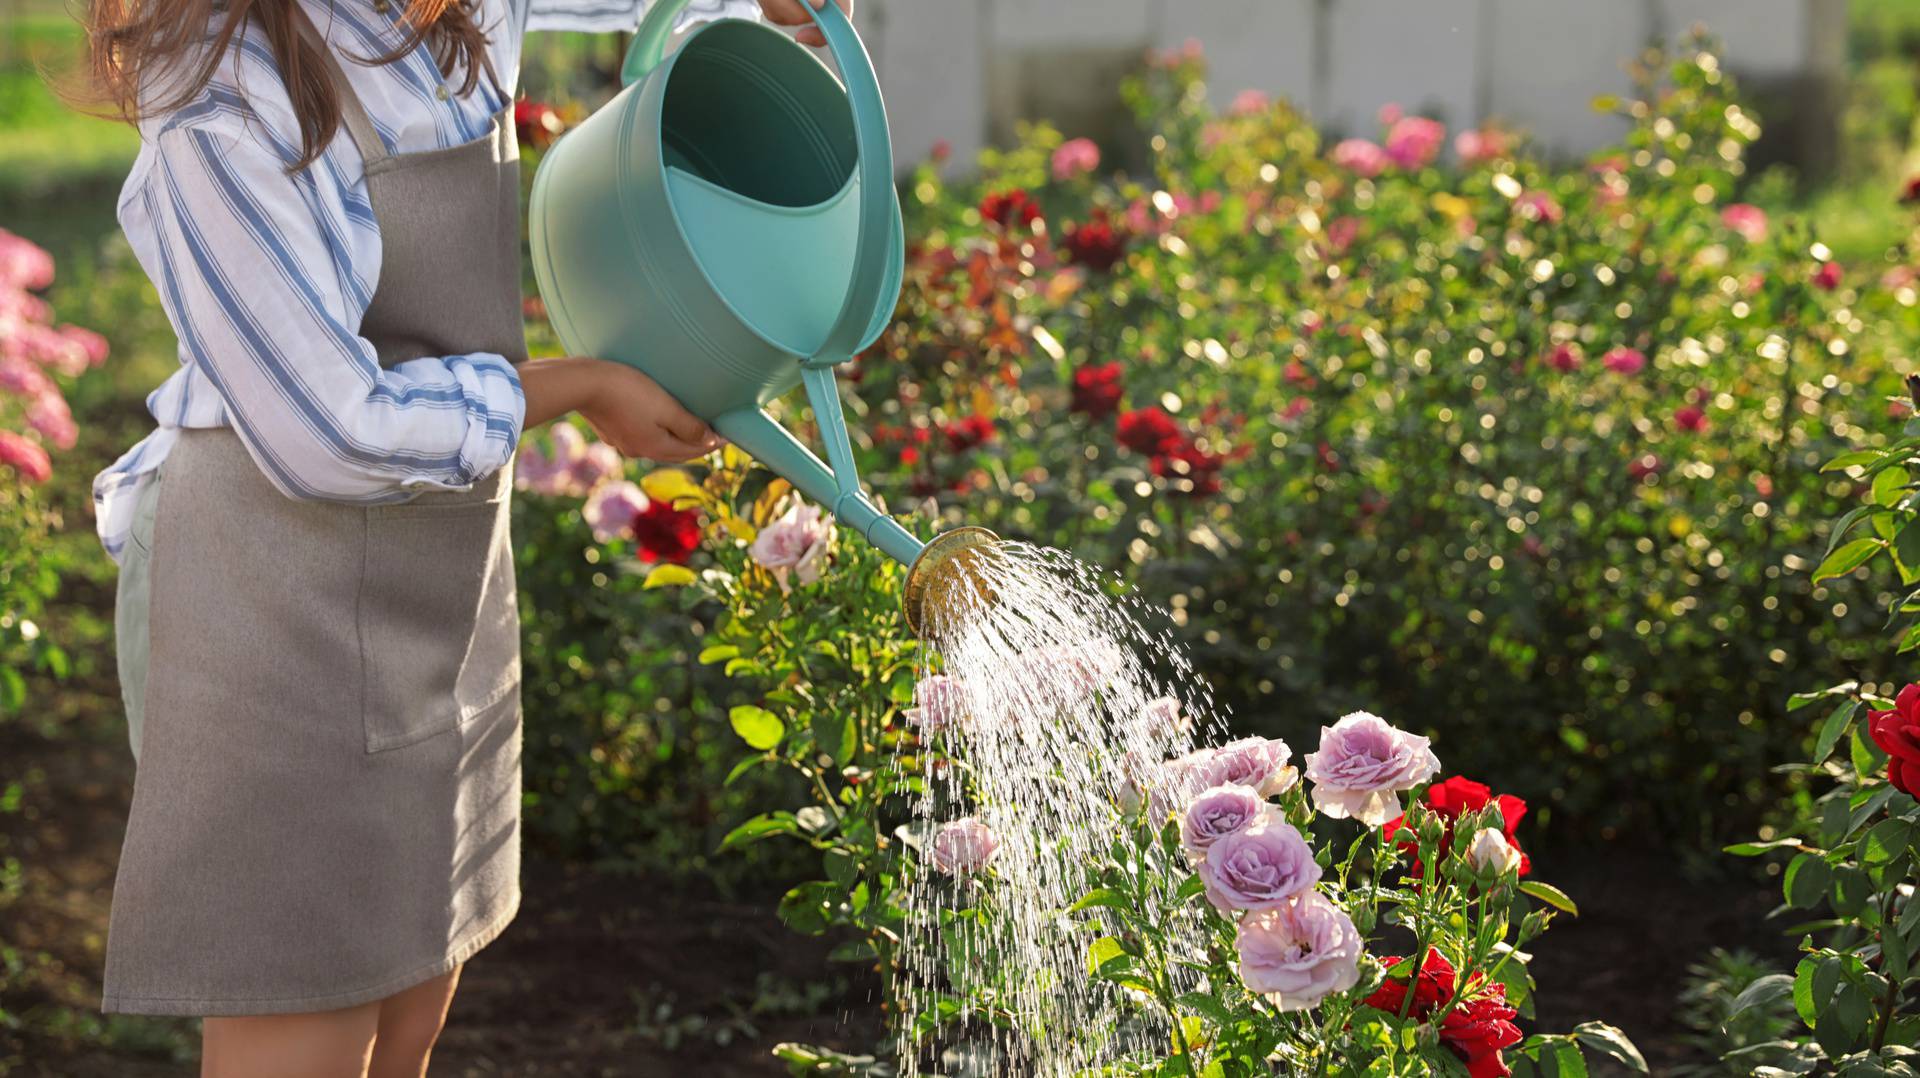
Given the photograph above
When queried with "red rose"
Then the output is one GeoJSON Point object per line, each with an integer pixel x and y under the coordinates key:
{"type": "Point", "coordinates": [1690, 418]}
{"type": "Point", "coordinates": [1096, 390]}
{"type": "Point", "coordinates": [1434, 986]}
{"type": "Point", "coordinates": [1148, 430]}
{"type": "Point", "coordinates": [1897, 732]}
{"type": "Point", "coordinates": [1095, 243]}
{"type": "Point", "coordinates": [1008, 208]}
{"type": "Point", "coordinates": [1643, 467]}
{"type": "Point", "coordinates": [1455, 798]}
{"type": "Point", "coordinates": [663, 533]}
{"type": "Point", "coordinates": [1477, 1029]}
{"type": "Point", "coordinates": [537, 123]}
{"type": "Point", "coordinates": [1827, 277]}
{"type": "Point", "coordinates": [1911, 192]}
{"type": "Point", "coordinates": [968, 432]}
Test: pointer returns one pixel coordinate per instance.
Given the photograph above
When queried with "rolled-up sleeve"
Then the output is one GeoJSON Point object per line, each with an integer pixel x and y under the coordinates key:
{"type": "Point", "coordinates": [605, 15]}
{"type": "Point", "coordinates": [252, 281]}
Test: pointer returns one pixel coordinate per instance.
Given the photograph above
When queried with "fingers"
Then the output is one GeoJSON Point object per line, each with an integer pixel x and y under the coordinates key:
{"type": "Point", "coordinates": [792, 13]}
{"type": "Point", "coordinates": [676, 447]}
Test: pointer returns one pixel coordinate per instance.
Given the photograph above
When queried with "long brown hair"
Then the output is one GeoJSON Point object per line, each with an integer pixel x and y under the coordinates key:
{"type": "Point", "coordinates": [136, 49]}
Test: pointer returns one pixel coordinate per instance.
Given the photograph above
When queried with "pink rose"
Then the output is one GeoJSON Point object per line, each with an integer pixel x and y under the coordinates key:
{"type": "Point", "coordinates": [1748, 221]}
{"type": "Point", "coordinates": [1625, 360]}
{"type": "Point", "coordinates": [25, 456]}
{"type": "Point", "coordinates": [596, 464]}
{"type": "Point", "coordinates": [552, 474]}
{"type": "Point", "coordinates": [1300, 953]}
{"type": "Point", "coordinates": [1360, 157]}
{"type": "Point", "coordinates": [612, 509]}
{"type": "Point", "coordinates": [1690, 418]}
{"type": "Point", "coordinates": [1563, 357]}
{"type": "Point", "coordinates": [1341, 232]}
{"type": "Point", "coordinates": [1490, 854]}
{"type": "Point", "coordinates": [1218, 812]}
{"type": "Point", "coordinates": [939, 704]}
{"type": "Point", "coordinates": [1257, 762]}
{"type": "Point", "coordinates": [1364, 765]}
{"type": "Point", "coordinates": [23, 379]}
{"type": "Point", "coordinates": [798, 542]}
{"type": "Point", "coordinates": [1414, 141]}
{"type": "Point", "coordinates": [23, 264]}
{"type": "Point", "coordinates": [1478, 147]}
{"type": "Point", "coordinates": [1064, 675]}
{"type": "Point", "coordinates": [1827, 277]}
{"type": "Point", "coordinates": [964, 846]}
{"type": "Point", "coordinates": [1258, 869]}
{"type": "Point", "coordinates": [1249, 102]}
{"type": "Point", "coordinates": [1538, 206]}
{"type": "Point", "coordinates": [1165, 714]}
{"type": "Point", "coordinates": [50, 416]}
{"type": "Point", "coordinates": [1075, 157]}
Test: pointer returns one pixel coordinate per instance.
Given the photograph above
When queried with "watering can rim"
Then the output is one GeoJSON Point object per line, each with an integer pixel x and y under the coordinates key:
{"type": "Point", "coordinates": [891, 273]}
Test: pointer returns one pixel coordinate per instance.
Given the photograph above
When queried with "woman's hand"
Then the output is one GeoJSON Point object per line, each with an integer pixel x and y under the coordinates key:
{"type": "Point", "coordinates": [791, 13]}
{"type": "Point", "coordinates": [626, 408]}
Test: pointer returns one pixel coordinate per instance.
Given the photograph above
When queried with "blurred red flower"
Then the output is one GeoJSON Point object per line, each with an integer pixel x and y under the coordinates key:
{"type": "Point", "coordinates": [1096, 390]}
{"type": "Point", "coordinates": [1148, 430]}
{"type": "Point", "coordinates": [968, 432]}
{"type": "Point", "coordinates": [1095, 243]}
{"type": "Point", "coordinates": [1010, 208]}
{"type": "Point", "coordinates": [1690, 418]}
{"type": "Point", "coordinates": [1827, 277]}
{"type": "Point", "coordinates": [537, 123]}
{"type": "Point", "coordinates": [665, 534]}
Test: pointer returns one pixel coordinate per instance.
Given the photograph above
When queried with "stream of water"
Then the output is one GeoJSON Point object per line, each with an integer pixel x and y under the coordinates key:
{"type": "Point", "coordinates": [1063, 697]}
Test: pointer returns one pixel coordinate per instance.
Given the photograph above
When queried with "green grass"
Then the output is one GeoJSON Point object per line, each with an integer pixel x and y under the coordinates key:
{"type": "Point", "coordinates": [50, 146]}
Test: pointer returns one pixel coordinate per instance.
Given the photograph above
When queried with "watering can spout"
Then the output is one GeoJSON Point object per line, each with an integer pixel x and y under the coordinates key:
{"type": "Point", "coordinates": [937, 570]}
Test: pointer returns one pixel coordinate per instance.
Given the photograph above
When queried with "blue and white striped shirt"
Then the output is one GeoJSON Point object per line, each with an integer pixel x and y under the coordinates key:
{"type": "Point", "coordinates": [265, 276]}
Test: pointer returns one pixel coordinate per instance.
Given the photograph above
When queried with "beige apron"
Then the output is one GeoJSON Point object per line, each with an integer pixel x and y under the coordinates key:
{"type": "Point", "coordinates": [327, 804]}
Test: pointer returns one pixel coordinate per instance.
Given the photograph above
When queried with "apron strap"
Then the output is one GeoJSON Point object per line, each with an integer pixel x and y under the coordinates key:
{"type": "Point", "coordinates": [352, 113]}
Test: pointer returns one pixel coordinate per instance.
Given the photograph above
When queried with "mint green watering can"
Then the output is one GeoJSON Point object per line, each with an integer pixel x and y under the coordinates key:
{"type": "Point", "coordinates": [728, 224]}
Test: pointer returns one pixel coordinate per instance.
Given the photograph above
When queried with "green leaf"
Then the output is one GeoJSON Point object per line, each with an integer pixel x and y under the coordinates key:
{"type": "Point", "coordinates": [814, 820]}
{"type": "Point", "coordinates": [1854, 459]}
{"type": "Point", "coordinates": [744, 766]}
{"type": "Point", "coordinates": [1834, 729]}
{"type": "Point", "coordinates": [1208, 1007]}
{"type": "Point", "coordinates": [1102, 896]}
{"type": "Point", "coordinates": [1848, 558]}
{"type": "Point", "coordinates": [1609, 1041]}
{"type": "Point", "coordinates": [1806, 881]}
{"type": "Point", "coordinates": [1568, 1061]}
{"type": "Point", "coordinates": [1551, 895]}
{"type": "Point", "coordinates": [1887, 487]}
{"type": "Point", "coordinates": [718, 653]}
{"type": "Point", "coordinates": [757, 726]}
{"type": "Point", "coordinates": [762, 826]}
{"type": "Point", "coordinates": [1767, 994]}
{"type": "Point", "coordinates": [808, 909]}
{"type": "Point", "coordinates": [1885, 842]}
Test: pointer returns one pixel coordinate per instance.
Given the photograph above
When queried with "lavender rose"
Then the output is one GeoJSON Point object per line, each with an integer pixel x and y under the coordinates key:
{"type": "Point", "coordinates": [964, 846]}
{"type": "Point", "coordinates": [1216, 813]}
{"type": "Point", "coordinates": [796, 543]}
{"type": "Point", "coordinates": [1061, 677]}
{"type": "Point", "coordinates": [1364, 765]}
{"type": "Point", "coordinates": [1300, 953]}
{"type": "Point", "coordinates": [612, 507]}
{"type": "Point", "coordinates": [1258, 869]}
{"type": "Point", "coordinates": [1258, 762]}
{"type": "Point", "coordinates": [1165, 714]}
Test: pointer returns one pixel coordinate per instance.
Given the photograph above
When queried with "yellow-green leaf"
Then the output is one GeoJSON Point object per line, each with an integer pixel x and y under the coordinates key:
{"type": "Point", "coordinates": [758, 727]}
{"type": "Point", "coordinates": [669, 576]}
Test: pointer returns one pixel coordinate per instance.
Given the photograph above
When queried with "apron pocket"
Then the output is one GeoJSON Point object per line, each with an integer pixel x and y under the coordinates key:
{"type": "Point", "coordinates": [439, 623]}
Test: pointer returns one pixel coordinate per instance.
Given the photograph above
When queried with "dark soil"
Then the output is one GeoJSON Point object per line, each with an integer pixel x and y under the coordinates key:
{"type": "Point", "coordinates": [607, 974]}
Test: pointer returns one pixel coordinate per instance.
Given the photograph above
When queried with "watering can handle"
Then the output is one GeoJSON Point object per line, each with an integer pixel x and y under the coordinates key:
{"type": "Point", "coordinates": [871, 140]}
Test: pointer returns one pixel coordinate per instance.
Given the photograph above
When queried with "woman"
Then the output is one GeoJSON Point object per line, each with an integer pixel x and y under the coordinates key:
{"type": "Point", "coordinates": [318, 630]}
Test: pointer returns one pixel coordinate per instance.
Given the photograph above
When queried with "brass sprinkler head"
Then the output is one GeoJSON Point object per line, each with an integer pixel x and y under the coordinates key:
{"type": "Point", "coordinates": [945, 572]}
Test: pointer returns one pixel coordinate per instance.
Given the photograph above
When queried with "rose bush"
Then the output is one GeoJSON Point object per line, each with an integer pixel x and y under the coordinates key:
{"type": "Point", "coordinates": [36, 357]}
{"type": "Point", "coordinates": [1474, 436]}
{"type": "Point", "coordinates": [1855, 843]}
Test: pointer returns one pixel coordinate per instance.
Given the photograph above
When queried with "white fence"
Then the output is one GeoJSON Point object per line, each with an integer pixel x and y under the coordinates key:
{"type": "Point", "coordinates": [964, 71]}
